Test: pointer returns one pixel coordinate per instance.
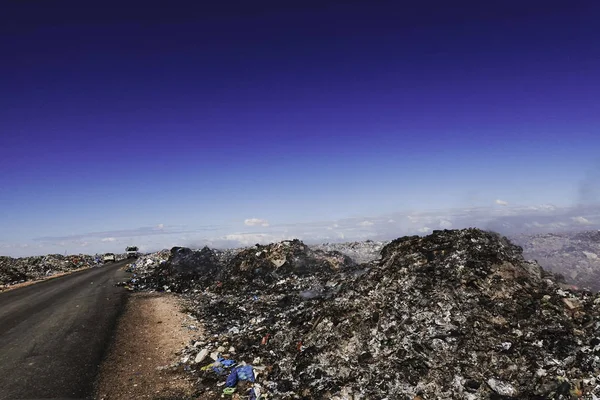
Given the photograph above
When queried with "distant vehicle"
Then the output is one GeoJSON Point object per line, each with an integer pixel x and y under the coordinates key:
{"type": "Point", "coordinates": [109, 257]}
{"type": "Point", "coordinates": [132, 252]}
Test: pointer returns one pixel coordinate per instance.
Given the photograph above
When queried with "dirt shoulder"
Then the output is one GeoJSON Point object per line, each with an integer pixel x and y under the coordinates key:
{"type": "Point", "coordinates": [150, 332]}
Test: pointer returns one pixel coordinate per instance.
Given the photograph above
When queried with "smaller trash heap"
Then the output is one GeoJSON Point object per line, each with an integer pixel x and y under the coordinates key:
{"type": "Point", "coordinates": [18, 270]}
{"type": "Point", "coordinates": [575, 256]}
{"type": "Point", "coordinates": [458, 314]}
{"type": "Point", "coordinates": [360, 252]}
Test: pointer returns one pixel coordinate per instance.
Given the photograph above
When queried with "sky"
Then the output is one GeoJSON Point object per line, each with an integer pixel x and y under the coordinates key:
{"type": "Point", "coordinates": [184, 123]}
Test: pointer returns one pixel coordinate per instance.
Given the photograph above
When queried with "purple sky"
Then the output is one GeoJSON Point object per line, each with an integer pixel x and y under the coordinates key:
{"type": "Point", "coordinates": [139, 117]}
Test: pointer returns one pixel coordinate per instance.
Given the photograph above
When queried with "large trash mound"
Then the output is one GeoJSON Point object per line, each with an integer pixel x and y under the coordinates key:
{"type": "Point", "coordinates": [573, 255]}
{"type": "Point", "coordinates": [181, 269]}
{"type": "Point", "coordinates": [457, 314]}
{"type": "Point", "coordinates": [178, 270]}
{"type": "Point", "coordinates": [267, 263]}
{"type": "Point", "coordinates": [18, 270]}
{"type": "Point", "coordinates": [149, 271]}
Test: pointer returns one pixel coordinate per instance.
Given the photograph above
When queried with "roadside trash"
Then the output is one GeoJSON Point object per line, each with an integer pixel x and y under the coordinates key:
{"type": "Point", "coordinates": [227, 363]}
{"type": "Point", "coordinates": [457, 314]}
{"type": "Point", "coordinates": [232, 379]}
{"type": "Point", "coordinates": [18, 270]}
{"type": "Point", "coordinates": [265, 339]}
{"type": "Point", "coordinates": [242, 373]}
{"type": "Point", "coordinates": [245, 373]}
{"type": "Point", "coordinates": [254, 393]}
{"type": "Point", "coordinates": [201, 356]}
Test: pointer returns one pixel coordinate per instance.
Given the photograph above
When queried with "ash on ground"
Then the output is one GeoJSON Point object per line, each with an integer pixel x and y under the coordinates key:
{"type": "Point", "coordinates": [458, 314]}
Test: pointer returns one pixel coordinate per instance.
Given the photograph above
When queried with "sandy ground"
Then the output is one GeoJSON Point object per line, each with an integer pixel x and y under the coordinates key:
{"type": "Point", "coordinates": [149, 333]}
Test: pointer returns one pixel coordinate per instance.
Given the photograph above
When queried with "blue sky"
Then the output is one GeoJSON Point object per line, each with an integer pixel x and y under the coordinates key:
{"type": "Point", "coordinates": [179, 124]}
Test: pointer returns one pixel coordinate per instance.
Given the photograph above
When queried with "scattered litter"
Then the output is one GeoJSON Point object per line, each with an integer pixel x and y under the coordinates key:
{"type": "Point", "coordinates": [458, 314]}
{"type": "Point", "coordinates": [19, 270]}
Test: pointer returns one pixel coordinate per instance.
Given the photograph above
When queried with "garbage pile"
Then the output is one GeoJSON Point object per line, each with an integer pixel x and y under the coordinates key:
{"type": "Point", "coordinates": [146, 271]}
{"type": "Point", "coordinates": [575, 256]}
{"type": "Point", "coordinates": [182, 269]}
{"type": "Point", "coordinates": [266, 264]}
{"type": "Point", "coordinates": [360, 252]}
{"type": "Point", "coordinates": [458, 314]}
{"type": "Point", "coordinates": [178, 270]}
{"type": "Point", "coordinates": [18, 270]}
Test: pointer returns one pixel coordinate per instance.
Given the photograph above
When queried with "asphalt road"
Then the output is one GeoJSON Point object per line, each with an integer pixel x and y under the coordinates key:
{"type": "Point", "coordinates": [53, 334]}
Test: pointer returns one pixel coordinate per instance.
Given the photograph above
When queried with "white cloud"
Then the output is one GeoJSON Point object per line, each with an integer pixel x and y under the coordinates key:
{"type": "Point", "coordinates": [549, 225]}
{"type": "Point", "coordinates": [543, 207]}
{"type": "Point", "coordinates": [581, 220]}
{"type": "Point", "coordinates": [445, 224]}
{"type": "Point", "coordinates": [256, 222]}
{"type": "Point", "coordinates": [501, 202]}
{"type": "Point", "coordinates": [249, 239]}
{"type": "Point", "coordinates": [504, 219]}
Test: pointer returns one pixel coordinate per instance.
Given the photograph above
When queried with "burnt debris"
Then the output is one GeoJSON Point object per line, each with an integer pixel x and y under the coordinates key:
{"type": "Point", "coordinates": [458, 314]}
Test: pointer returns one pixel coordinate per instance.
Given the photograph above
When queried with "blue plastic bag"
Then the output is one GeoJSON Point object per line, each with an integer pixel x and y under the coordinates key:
{"type": "Point", "coordinates": [245, 373]}
{"type": "Point", "coordinates": [232, 379]}
{"type": "Point", "coordinates": [228, 363]}
{"type": "Point", "coordinates": [252, 395]}
{"type": "Point", "coordinates": [218, 370]}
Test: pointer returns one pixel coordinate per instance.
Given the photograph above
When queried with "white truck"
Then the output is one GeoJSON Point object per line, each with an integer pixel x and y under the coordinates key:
{"type": "Point", "coordinates": [109, 257]}
{"type": "Point", "coordinates": [132, 252]}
